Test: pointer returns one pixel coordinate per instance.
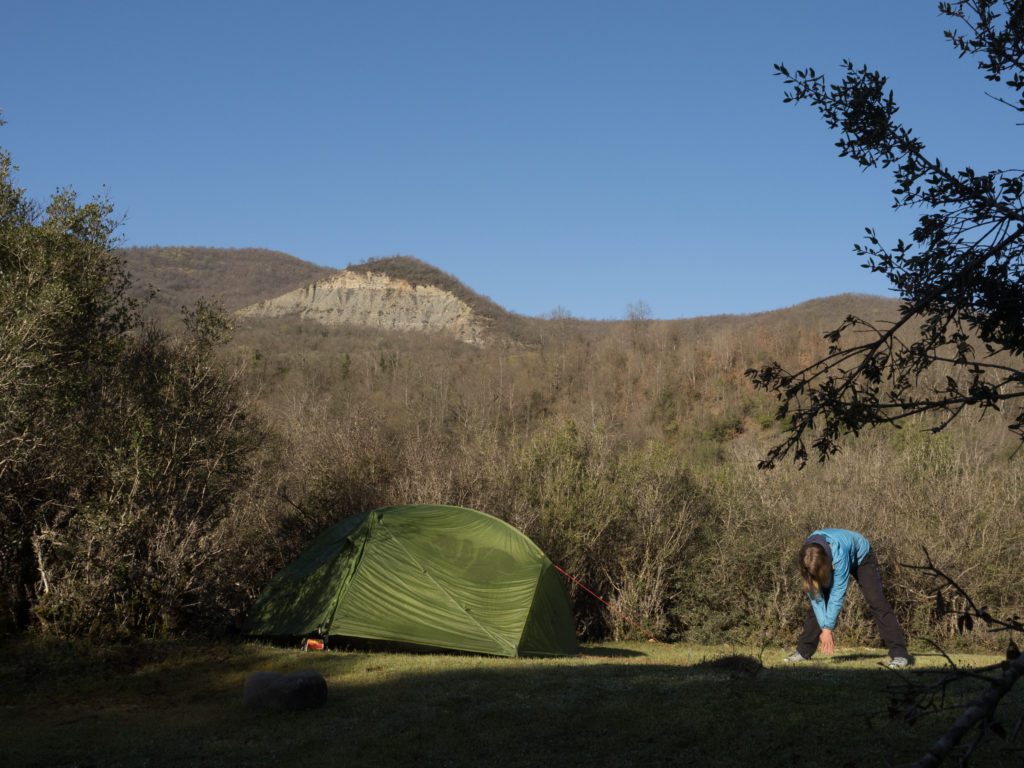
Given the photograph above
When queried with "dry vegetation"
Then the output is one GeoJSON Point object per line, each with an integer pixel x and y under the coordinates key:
{"type": "Point", "coordinates": [235, 277]}
{"type": "Point", "coordinates": [628, 451]}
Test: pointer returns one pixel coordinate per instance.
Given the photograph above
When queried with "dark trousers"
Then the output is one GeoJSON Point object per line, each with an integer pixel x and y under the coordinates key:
{"type": "Point", "coordinates": [870, 580]}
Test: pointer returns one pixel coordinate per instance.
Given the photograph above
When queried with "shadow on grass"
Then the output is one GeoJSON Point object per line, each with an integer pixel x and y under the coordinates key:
{"type": "Point", "coordinates": [842, 658]}
{"type": "Point", "coordinates": [603, 709]}
{"type": "Point", "coordinates": [882, 661]}
{"type": "Point", "coordinates": [611, 653]}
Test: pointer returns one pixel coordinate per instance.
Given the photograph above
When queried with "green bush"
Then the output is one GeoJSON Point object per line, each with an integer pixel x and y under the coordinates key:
{"type": "Point", "coordinates": [621, 521]}
{"type": "Point", "coordinates": [122, 450]}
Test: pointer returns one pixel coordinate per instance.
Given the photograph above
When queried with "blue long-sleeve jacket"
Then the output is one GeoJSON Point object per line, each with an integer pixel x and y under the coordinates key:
{"type": "Point", "coordinates": [848, 550]}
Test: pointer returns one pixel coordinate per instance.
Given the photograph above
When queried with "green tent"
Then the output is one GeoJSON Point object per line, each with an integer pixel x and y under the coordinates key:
{"type": "Point", "coordinates": [430, 576]}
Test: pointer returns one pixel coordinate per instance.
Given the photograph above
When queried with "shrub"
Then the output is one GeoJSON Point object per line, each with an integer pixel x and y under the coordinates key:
{"type": "Point", "coordinates": [121, 449]}
{"type": "Point", "coordinates": [621, 522]}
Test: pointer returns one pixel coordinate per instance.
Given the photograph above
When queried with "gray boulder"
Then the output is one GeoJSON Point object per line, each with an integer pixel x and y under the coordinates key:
{"type": "Point", "coordinates": [272, 690]}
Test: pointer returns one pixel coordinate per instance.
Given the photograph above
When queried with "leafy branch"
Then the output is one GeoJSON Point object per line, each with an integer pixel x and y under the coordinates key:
{"type": "Point", "coordinates": [958, 276]}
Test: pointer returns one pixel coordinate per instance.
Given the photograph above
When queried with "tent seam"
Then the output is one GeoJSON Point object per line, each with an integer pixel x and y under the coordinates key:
{"type": "Point", "coordinates": [351, 570]}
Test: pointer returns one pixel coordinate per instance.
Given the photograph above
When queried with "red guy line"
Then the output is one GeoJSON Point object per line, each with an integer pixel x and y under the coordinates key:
{"type": "Point", "coordinates": [588, 590]}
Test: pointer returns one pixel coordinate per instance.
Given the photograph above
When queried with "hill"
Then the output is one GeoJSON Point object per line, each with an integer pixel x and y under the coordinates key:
{"type": "Point", "coordinates": [651, 379]}
{"type": "Point", "coordinates": [395, 294]}
{"type": "Point", "coordinates": [241, 277]}
{"type": "Point", "coordinates": [419, 273]}
{"type": "Point", "coordinates": [235, 277]}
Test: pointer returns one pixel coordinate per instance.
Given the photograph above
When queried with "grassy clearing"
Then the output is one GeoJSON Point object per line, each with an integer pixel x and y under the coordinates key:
{"type": "Point", "coordinates": [616, 705]}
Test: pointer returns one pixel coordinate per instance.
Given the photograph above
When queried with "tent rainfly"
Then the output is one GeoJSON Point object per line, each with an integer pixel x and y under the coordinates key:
{"type": "Point", "coordinates": [436, 577]}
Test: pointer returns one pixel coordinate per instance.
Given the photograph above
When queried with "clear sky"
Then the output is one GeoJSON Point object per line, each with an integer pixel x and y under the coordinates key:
{"type": "Point", "coordinates": [573, 154]}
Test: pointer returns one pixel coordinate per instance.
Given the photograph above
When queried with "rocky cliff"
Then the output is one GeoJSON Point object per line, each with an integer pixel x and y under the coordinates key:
{"type": "Point", "coordinates": [377, 300]}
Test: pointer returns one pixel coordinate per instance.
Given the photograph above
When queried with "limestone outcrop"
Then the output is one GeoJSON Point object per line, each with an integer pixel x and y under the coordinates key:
{"type": "Point", "coordinates": [377, 300]}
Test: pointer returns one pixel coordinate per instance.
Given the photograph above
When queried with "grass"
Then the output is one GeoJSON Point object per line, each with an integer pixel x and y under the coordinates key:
{"type": "Point", "coordinates": [615, 705]}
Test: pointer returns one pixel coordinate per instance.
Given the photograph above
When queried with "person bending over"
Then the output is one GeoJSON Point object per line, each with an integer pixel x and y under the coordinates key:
{"type": "Point", "coordinates": [827, 560]}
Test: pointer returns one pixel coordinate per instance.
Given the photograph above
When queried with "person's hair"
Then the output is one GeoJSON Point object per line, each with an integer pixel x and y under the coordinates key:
{"type": "Point", "coordinates": [815, 567]}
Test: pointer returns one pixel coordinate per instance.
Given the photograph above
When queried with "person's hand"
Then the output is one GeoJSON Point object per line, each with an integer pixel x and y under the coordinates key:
{"type": "Point", "coordinates": [827, 643]}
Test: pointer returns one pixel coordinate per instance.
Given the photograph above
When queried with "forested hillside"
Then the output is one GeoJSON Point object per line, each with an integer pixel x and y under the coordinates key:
{"type": "Point", "coordinates": [626, 449]}
{"type": "Point", "coordinates": [234, 277]}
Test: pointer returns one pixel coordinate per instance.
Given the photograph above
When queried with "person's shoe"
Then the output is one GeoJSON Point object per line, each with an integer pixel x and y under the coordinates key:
{"type": "Point", "coordinates": [898, 662]}
{"type": "Point", "coordinates": [795, 658]}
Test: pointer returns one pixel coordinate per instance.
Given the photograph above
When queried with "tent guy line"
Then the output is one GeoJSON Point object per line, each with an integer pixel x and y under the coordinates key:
{"type": "Point", "coordinates": [610, 607]}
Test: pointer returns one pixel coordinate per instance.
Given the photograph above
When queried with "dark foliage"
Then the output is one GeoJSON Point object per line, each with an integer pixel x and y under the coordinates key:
{"type": "Point", "coordinates": [915, 699]}
{"type": "Point", "coordinates": [121, 449]}
{"type": "Point", "coordinates": [958, 341]}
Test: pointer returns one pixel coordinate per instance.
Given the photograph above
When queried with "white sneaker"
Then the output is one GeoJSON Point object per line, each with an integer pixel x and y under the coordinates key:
{"type": "Point", "coordinates": [795, 658]}
{"type": "Point", "coordinates": [898, 662]}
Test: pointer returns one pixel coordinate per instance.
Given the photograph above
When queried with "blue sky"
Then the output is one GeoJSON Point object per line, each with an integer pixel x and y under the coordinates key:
{"type": "Point", "coordinates": [580, 155]}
